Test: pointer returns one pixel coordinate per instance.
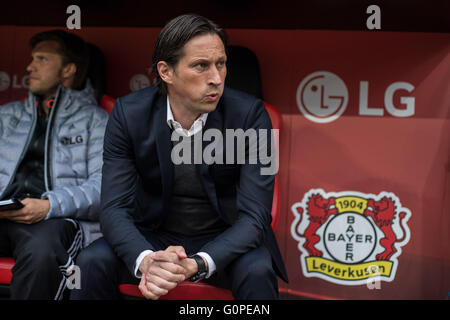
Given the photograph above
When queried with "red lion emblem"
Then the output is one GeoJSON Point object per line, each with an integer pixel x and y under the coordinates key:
{"type": "Point", "coordinates": [383, 214]}
{"type": "Point", "coordinates": [319, 210]}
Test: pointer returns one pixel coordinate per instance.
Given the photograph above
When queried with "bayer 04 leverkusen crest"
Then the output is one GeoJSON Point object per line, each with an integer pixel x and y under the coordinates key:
{"type": "Point", "coordinates": [350, 237]}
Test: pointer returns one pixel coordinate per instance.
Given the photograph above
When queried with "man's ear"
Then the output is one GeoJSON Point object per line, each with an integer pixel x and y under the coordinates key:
{"type": "Point", "coordinates": [69, 71]}
{"type": "Point", "coordinates": [165, 71]}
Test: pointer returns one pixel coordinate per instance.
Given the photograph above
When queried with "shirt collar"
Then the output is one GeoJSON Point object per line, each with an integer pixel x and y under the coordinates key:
{"type": "Point", "coordinates": [175, 125]}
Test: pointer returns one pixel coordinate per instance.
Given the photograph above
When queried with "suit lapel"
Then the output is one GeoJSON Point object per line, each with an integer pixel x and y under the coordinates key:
{"type": "Point", "coordinates": [164, 148]}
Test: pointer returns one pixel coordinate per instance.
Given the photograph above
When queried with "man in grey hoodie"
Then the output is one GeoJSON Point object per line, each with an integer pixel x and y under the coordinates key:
{"type": "Point", "coordinates": [51, 148]}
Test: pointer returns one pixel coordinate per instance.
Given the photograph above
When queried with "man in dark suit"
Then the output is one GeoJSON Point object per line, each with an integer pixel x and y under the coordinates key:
{"type": "Point", "coordinates": [166, 220]}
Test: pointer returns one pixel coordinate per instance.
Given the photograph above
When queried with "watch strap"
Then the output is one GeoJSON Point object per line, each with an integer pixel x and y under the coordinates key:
{"type": "Point", "coordinates": [202, 269]}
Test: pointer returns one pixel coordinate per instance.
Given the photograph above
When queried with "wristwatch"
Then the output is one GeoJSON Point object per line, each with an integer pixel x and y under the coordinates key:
{"type": "Point", "coordinates": [202, 270]}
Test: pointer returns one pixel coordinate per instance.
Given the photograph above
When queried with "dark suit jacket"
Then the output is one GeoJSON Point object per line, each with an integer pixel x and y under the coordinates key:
{"type": "Point", "coordinates": [138, 178]}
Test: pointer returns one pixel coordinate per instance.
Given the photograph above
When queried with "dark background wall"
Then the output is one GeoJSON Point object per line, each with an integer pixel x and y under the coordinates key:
{"type": "Point", "coordinates": [397, 15]}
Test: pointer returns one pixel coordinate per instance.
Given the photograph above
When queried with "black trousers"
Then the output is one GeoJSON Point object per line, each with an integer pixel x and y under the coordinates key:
{"type": "Point", "coordinates": [250, 276]}
{"type": "Point", "coordinates": [43, 252]}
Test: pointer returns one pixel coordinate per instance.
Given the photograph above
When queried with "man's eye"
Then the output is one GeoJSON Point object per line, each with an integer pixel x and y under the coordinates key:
{"type": "Point", "coordinates": [201, 65]}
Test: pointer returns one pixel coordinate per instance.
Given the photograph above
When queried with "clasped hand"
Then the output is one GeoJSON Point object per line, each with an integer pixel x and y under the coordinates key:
{"type": "Point", "coordinates": [164, 270]}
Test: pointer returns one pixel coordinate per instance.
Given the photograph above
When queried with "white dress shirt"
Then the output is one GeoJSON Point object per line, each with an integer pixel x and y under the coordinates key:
{"type": "Point", "coordinates": [196, 127]}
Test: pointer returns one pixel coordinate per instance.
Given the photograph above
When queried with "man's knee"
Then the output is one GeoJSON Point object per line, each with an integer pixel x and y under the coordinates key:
{"type": "Point", "coordinates": [255, 265]}
{"type": "Point", "coordinates": [257, 261]}
{"type": "Point", "coordinates": [260, 269]}
{"type": "Point", "coordinates": [253, 276]}
{"type": "Point", "coordinates": [258, 272]}
{"type": "Point", "coordinates": [100, 268]}
{"type": "Point", "coordinates": [98, 254]}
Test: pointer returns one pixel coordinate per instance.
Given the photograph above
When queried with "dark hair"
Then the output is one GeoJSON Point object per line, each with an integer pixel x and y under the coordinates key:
{"type": "Point", "coordinates": [172, 38]}
{"type": "Point", "coordinates": [72, 49]}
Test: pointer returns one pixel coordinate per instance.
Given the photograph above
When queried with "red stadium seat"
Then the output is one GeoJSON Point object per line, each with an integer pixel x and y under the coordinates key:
{"type": "Point", "coordinates": [107, 103]}
{"type": "Point", "coordinates": [184, 291]}
{"type": "Point", "coordinates": [6, 265]}
{"type": "Point", "coordinates": [275, 117]}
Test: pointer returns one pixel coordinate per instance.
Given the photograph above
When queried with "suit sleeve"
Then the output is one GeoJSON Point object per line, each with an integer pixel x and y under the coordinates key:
{"type": "Point", "coordinates": [254, 199]}
{"type": "Point", "coordinates": [118, 191]}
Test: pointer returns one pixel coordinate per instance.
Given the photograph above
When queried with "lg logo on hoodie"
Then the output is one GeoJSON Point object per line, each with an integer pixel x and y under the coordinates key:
{"type": "Point", "coordinates": [71, 140]}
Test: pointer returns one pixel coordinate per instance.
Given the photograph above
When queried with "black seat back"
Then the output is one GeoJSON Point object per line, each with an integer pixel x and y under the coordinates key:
{"type": "Point", "coordinates": [243, 71]}
{"type": "Point", "coordinates": [97, 71]}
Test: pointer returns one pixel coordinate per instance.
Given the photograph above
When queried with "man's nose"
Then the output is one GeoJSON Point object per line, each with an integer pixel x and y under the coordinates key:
{"type": "Point", "coordinates": [30, 67]}
{"type": "Point", "coordinates": [215, 76]}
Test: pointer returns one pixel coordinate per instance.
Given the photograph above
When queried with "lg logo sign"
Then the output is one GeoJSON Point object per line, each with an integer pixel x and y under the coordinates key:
{"type": "Point", "coordinates": [5, 81]}
{"type": "Point", "coordinates": [322, 97]}
{"type": "Point", "coordinates": [139, 81]}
